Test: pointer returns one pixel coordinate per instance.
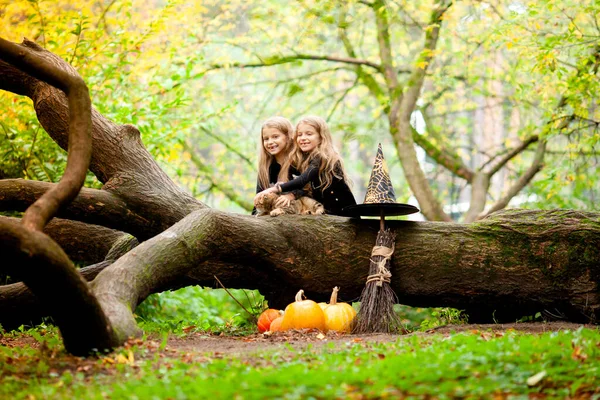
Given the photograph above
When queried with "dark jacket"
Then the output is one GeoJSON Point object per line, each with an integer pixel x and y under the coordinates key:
{"type": "Point", "coordinates": [334, 197]}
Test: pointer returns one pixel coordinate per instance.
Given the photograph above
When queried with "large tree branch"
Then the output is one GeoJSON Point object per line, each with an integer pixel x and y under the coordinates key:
{"type": "Point", "coordinates": [93, 206]}
{"type": "Point", "coordinates": [402, 107]}
{"type": "Point", "coordinates": [412, 88]}
{"type": "Point", "coordinates": [19, 306]}
{"type": "Point", "coordinates": [35, 258]}
{"type": "Point", "coordinates": [83, 243]}
{"type": "Point", "coordinates": [385, 48]}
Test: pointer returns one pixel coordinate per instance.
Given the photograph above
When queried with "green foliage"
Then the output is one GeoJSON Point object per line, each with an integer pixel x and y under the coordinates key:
{"type": "Point", "coordinates": [498, 76]}
{"type": "Point", "coordinates": [196, 308]}
{"type": "Point", "coordinates": [473, 364]}
{"type": "Point", "coordinates": [444, 316]}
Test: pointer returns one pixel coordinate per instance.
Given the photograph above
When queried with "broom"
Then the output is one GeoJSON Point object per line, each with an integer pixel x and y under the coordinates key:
{"type": "Point", "coordinates": [376, 313]}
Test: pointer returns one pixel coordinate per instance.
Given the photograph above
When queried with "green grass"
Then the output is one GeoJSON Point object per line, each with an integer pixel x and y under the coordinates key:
{"type": "Point", "coordinates": [471, 365]}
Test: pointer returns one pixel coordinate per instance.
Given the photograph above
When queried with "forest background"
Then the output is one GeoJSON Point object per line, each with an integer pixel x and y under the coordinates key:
{"type": "Point", "coordinates": [501, 94]}
{"type": "Point", "coordinates": [479, 105]}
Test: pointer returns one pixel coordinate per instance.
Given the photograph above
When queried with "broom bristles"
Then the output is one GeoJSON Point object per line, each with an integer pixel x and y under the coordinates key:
{"type": "Point", "coordinates": [376, 313]}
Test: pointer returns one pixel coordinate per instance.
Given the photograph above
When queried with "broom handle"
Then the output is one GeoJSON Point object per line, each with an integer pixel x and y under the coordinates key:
{"type": "Point", "coordinates": [381, 221]}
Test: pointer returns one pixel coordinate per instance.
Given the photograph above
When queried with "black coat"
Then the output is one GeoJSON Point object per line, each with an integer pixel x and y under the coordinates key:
{"type": "Point", "coordinates": [334, 197]}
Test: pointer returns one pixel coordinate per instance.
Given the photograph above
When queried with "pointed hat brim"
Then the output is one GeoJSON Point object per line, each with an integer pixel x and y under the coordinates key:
{"type": "Point", "coordinates": [376, 209]}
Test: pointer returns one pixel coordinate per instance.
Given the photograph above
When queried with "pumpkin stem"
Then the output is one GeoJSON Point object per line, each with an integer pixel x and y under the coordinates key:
{"type": "Point", "coordinates": [333, 299]}
{"type": "Point", "coordinates": [299, 295]}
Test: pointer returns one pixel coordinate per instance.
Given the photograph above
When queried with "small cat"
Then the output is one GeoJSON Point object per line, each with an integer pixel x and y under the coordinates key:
{"type": "Point", "coordinates": [304, 206]}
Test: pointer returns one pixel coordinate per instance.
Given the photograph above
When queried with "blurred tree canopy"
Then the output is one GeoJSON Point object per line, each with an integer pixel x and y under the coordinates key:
{"type": "Point", "coordinates": [479, 104]}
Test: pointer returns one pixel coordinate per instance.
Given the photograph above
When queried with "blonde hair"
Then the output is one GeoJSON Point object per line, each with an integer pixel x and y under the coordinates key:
{"type": "Point", "coordinates": [331, 161]}
{"type": "Point", "coordinates": [265, 160]}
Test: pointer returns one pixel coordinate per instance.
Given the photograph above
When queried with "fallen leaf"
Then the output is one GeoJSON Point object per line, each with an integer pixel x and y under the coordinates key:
{"type": "Point", "coordinates": [535, 379]}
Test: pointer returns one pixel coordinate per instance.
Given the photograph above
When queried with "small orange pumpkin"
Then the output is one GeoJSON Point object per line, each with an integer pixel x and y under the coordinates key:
{"type": "Point", "coordinates": [303, 314]}
{"type": "Point", "coordinates": [339, 316]}
{"type": "Point", "coordinates": [276, 324]}
{"type": "Point", "coordinates": [266, 318]}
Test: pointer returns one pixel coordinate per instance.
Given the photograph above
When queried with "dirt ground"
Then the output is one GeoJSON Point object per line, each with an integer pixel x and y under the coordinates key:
{"type": "Point", "coordinates": [198, 347]}
{"type": "Point", "coordinates": [222, 345]}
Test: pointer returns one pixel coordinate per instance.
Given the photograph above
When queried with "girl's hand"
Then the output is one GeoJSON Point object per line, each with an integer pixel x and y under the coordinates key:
{"type": "Point", "coordinates": [284, 200]}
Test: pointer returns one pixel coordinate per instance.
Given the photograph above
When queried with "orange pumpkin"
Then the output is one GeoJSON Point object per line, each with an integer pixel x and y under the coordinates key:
{"type": "Point", "coordinates": [266, 318]}
{"type": "Point", "coordinates": [339, 316]}
{"type": "Point", "coordinates": [276, 324]}
{"type": "Point", "coordinates": [303, 314]}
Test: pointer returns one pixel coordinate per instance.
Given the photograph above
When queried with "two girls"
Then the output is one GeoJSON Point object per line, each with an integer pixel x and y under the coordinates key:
{"type": "Point", "coordinates": [319, 164]}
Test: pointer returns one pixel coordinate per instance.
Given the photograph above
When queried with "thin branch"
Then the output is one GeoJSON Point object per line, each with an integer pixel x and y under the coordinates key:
{"type": "Point", "coordinates": [272, 61]}
{"type": "Point", "coordinates": [367, 79]}
{"type": "Point", "coordinates": [227, 145]}
{"type": "Point", "coordinates": [385, 48]}
{"type": "Point", "coordinates": [103, 16]}
{"type": "Point", "coordinates": [318, 101]}
{"type": "Point", "coordinates": [342, 97]}
{"type": "Point", "coordinates": [36, 6]}
{"type": "Point", "coordinates": [208, 173]}
{"type": "Point", "coordinates": [572, 20]}
{"type": "Point", "coordinates": [523, 181]}
{"type": "Point", "coordinates": [447, 157]}
{"type": "Point", "coordinates": [236, 300]}
{"type": "Point", "coordinates": [80, 26]}
{"type": "Point", "coordinates": [512, 154]}
{"type": "Point", "coordinates": [296, 78]}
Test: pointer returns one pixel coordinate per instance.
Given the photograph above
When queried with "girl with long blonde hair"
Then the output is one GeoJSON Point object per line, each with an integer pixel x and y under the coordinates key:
{"type": "Point", "coordinates": [276, 144]}
{"type": "Point", "coordinates": [320, 164]}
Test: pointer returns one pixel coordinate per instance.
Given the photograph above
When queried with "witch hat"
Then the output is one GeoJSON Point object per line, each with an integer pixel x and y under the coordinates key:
{"type": "Point", "coordinates": [380, 199]}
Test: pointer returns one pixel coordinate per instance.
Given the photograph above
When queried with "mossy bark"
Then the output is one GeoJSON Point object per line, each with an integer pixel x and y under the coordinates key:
{"type": "Point", "coordinates": [513, 264]}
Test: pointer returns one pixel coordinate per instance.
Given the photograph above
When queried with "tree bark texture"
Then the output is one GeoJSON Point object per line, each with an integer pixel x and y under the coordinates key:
{"type": "Point", "coordinates": [92, 206]}
{"type": "Point", "coordinates": [85, 244]}
{"type": "Point", "coordinates": [19, 306]}
{"type": "Point", "coordinates": [514, 264]}
{"type": "Point", "coordinates": [47, 271]}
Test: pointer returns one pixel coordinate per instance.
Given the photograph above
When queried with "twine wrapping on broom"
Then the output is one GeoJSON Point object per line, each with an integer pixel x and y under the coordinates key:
{"type": "Point", "coordinates": [383, 274]}
{"type": "Point", "coordinates": [376, 313]}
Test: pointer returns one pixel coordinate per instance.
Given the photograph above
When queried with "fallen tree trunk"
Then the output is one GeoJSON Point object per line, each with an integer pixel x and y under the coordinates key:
{"type": "Point", "coordinates": [513, 264]}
